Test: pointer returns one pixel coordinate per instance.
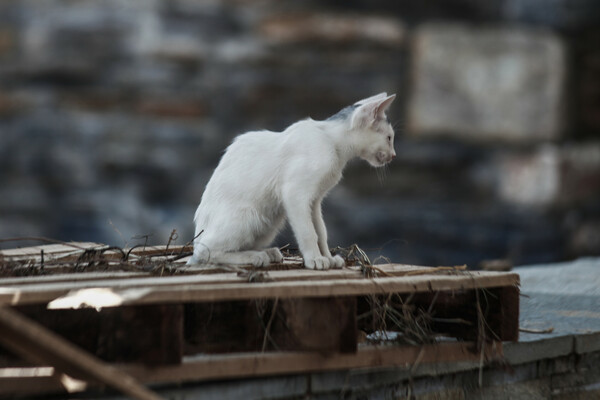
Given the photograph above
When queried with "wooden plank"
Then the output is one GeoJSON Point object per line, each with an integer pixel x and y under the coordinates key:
{"type": "Point", "coordinates": [244, 365]}
{"type": "Point", "coordinates": [150, 334]}
{"type": "Point", "coordinates": [480, 314]}
{"type": "Point", "coordinates": [504, 312]}
{"type": "Point", "coordinates": [155, 250]}
{"type": "Point", "coordinates": [69, 280]}
{"type": "Point", "coordinates": [328, 288]}
{"type": "Point", "coordinates": [206, 287]}
{"type": "Point", "coordinates": [209, 276]}
{"type": "Point", "coordinates": [313, 324]}
{"type": "Point", "coordinates": [49, 249]}
{"type": "Point", "coordinates": [70, 277]}
{"type": "Point", "coordinates": [326, 325]}
{"type": "Point", "coordinates": [30, 381]}
{"type": "Point", "coordinates": [40, 345]}
{"type": "Point", "coordinates": [234, 366]}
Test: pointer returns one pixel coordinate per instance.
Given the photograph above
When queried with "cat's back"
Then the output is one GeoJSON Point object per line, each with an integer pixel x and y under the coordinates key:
{"type": "Point", "coordinates": [249, 160]}
{"type": "Point", "coordinates": [253, 144]}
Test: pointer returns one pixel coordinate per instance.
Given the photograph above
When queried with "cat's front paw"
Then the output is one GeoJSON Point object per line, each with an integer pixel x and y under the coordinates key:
{"type": "Point", "coordinates": [260, 259]}
{"type": "Point", "coordinates": [336, 262]}
{"type": "Point", "coordinates": [318, 262]}
{"type": "Point", "coordinates": [274, 254]}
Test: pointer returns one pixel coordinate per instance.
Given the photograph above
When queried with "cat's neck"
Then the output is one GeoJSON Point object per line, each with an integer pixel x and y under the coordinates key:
{"type": "Point", "coordinates": [341, 138]}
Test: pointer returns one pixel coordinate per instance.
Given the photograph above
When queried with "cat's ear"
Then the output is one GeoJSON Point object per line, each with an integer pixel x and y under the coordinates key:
{"type": "Point", "coordinates": [371, 99]}
{"type": "Point", "coordinates": [372, 110]}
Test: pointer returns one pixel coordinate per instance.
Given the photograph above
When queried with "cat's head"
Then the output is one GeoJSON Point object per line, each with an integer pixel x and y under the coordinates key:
{"type": "Point", "coordinates": [372, 129]}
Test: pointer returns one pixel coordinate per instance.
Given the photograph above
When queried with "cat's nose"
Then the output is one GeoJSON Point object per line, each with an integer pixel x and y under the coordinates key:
{"type": "Point", "coordinates": [393, 155]}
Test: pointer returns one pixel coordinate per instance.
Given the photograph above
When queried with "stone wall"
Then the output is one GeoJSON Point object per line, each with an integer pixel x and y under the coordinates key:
{"type": "Point", "coordinates": [114, 113]}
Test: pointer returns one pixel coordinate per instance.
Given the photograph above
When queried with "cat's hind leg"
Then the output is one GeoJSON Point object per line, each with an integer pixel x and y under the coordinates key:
{"type": "Point", "coordinates": [268, 235]}
{"type": "Point", "coordinates": [247, 257]}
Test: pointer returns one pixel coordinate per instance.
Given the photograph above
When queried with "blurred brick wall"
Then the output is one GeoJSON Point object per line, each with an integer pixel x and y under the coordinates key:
{"type": "Point", "coordinates": [114, 113]}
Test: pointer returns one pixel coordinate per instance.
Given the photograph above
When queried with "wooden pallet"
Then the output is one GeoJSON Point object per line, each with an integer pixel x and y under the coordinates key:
{"type": "Point", "coordinates": [215, 324]}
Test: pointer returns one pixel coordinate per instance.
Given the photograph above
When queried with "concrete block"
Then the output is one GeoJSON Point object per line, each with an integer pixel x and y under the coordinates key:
{"type": "Point", "coordinates": [585, 238]}
{"type": "Point", "coordinates": [530, 178]}
{"type": "Point", "coordinates": [577, 394]}
{"type": "Point", "coordinates": [559, 365]}
{"type": "Point", "coordinates": [288, 387]}
{"type": "Point", "coordinates": [587, 343]}
{"type": "Point", "coordinates": [11, 104]}
{"type": "Point", "coordinates": [445, 394]}
{"type": "Point", "coordinates": [550, 175]}
{"type": "Point", "coordinates": [341, 381]}
{"type": "Point", "coordinates": [576, 380]}
{"type": "Point", "coordinates": [487, 84]}
{"type": "Point", "coordinates": [531, 390]}
{"type": "Point", "coordinates": [7, 41]}
{"type": "Point", "coordinates": [519, 374]}
{"type": "Point", "coordinates": [524, 352]}
{"type": "Point", "coordinates": [585, 377]}
{"type": "Point", "coordinates": [332, 28]}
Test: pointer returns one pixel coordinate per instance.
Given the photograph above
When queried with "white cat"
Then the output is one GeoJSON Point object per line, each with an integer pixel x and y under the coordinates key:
{"type": "Point", "coordinates": [267, 177]}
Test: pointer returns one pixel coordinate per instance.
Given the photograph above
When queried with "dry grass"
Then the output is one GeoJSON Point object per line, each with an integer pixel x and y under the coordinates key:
{"type": "Point", "coordinates": [101, 259]}
{"type": "Point", "coordinates": [394, 317]}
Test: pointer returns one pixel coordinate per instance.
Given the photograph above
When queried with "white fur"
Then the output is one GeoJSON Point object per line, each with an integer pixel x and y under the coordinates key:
{"type": "Point", "coordinates": [267, 177]}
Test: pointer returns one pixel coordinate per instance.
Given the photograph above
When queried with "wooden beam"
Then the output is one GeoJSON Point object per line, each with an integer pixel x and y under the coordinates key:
{"type": "Point", "coordinates": [243, 365]}
{"type": "Point", "coordinates": [197, 288]}
{"type": "Point", "coordinates": [150, 334]}
{"type": "Point", "coordinates": [35, 343]}
{"type": "Point", "coordinates": [326, 325]}
{"type": "Point", "coordinates": [70, 277]}
{"type": "Point", "coordinates": [325, 288]}
{"type": "Point", "coordinates": [246, 365]}
{"type": "Point", "coordinates": [49, 249]}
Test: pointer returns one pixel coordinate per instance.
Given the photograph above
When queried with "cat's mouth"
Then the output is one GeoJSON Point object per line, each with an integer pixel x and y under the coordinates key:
{"type": "Point", "coordinates": [382, 158]}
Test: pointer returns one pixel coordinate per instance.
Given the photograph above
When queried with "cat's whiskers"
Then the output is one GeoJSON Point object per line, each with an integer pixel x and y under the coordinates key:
{"type": "Point", "coordinates": [382, 173]}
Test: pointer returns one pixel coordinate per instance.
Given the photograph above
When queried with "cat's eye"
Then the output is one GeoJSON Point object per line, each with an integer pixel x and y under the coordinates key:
{"type": "Point", "coordinates": [389, 139]}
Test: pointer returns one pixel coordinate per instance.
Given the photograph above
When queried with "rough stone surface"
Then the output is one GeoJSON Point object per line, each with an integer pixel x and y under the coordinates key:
{"type": "Point", "coordinates": [530, 390]}
{"type": "Point", "coordinates": [552, 176]}
{"type": "Point", "coordinates": [476, 83]}
{"type": "Point", "coordinates": [332, 29]}
{"type": "Point", "coordinates": [563, 297]}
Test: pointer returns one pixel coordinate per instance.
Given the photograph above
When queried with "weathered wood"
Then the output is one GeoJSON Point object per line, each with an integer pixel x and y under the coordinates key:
{"type": "Point", "coordinates": [309, 317]}
{"type": "Point", "coordinates": [40, 345]}
{"type": "Point", "coordinates": [180, 289]}
{"type": "Point", "coordinates": [49, 249]}
{"type": "Point", "coordinates": [453, 313]}
{"type": "Point", "coordinates": [259, 364]}
{"type": "Point", "coordinates": [30, 381]}
{"type": "Point", "coordinates": [504, 312]}
{"type": "Point", "coordinates": [224, 327]}
{"type": "Point", "coordinates": [208, 367]}
{"type": "Point", "coordinates": [151, 334]}
{"type": "Point", "coordinates": [314, 324]}
{"type": "Point", "coordinates": [203, 276]}
{"type": "Point", "coordinates": [69, 277]}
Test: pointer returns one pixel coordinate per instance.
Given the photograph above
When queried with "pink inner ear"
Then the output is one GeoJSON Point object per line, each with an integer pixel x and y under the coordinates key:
{"type": "Point", "coordinates": [368, 113]}
{"type": "Point", "coordinates": [383, 106]}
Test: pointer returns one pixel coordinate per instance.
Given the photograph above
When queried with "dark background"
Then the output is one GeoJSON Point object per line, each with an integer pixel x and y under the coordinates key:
{"type": "Point", "coordinates": [113, 115]}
